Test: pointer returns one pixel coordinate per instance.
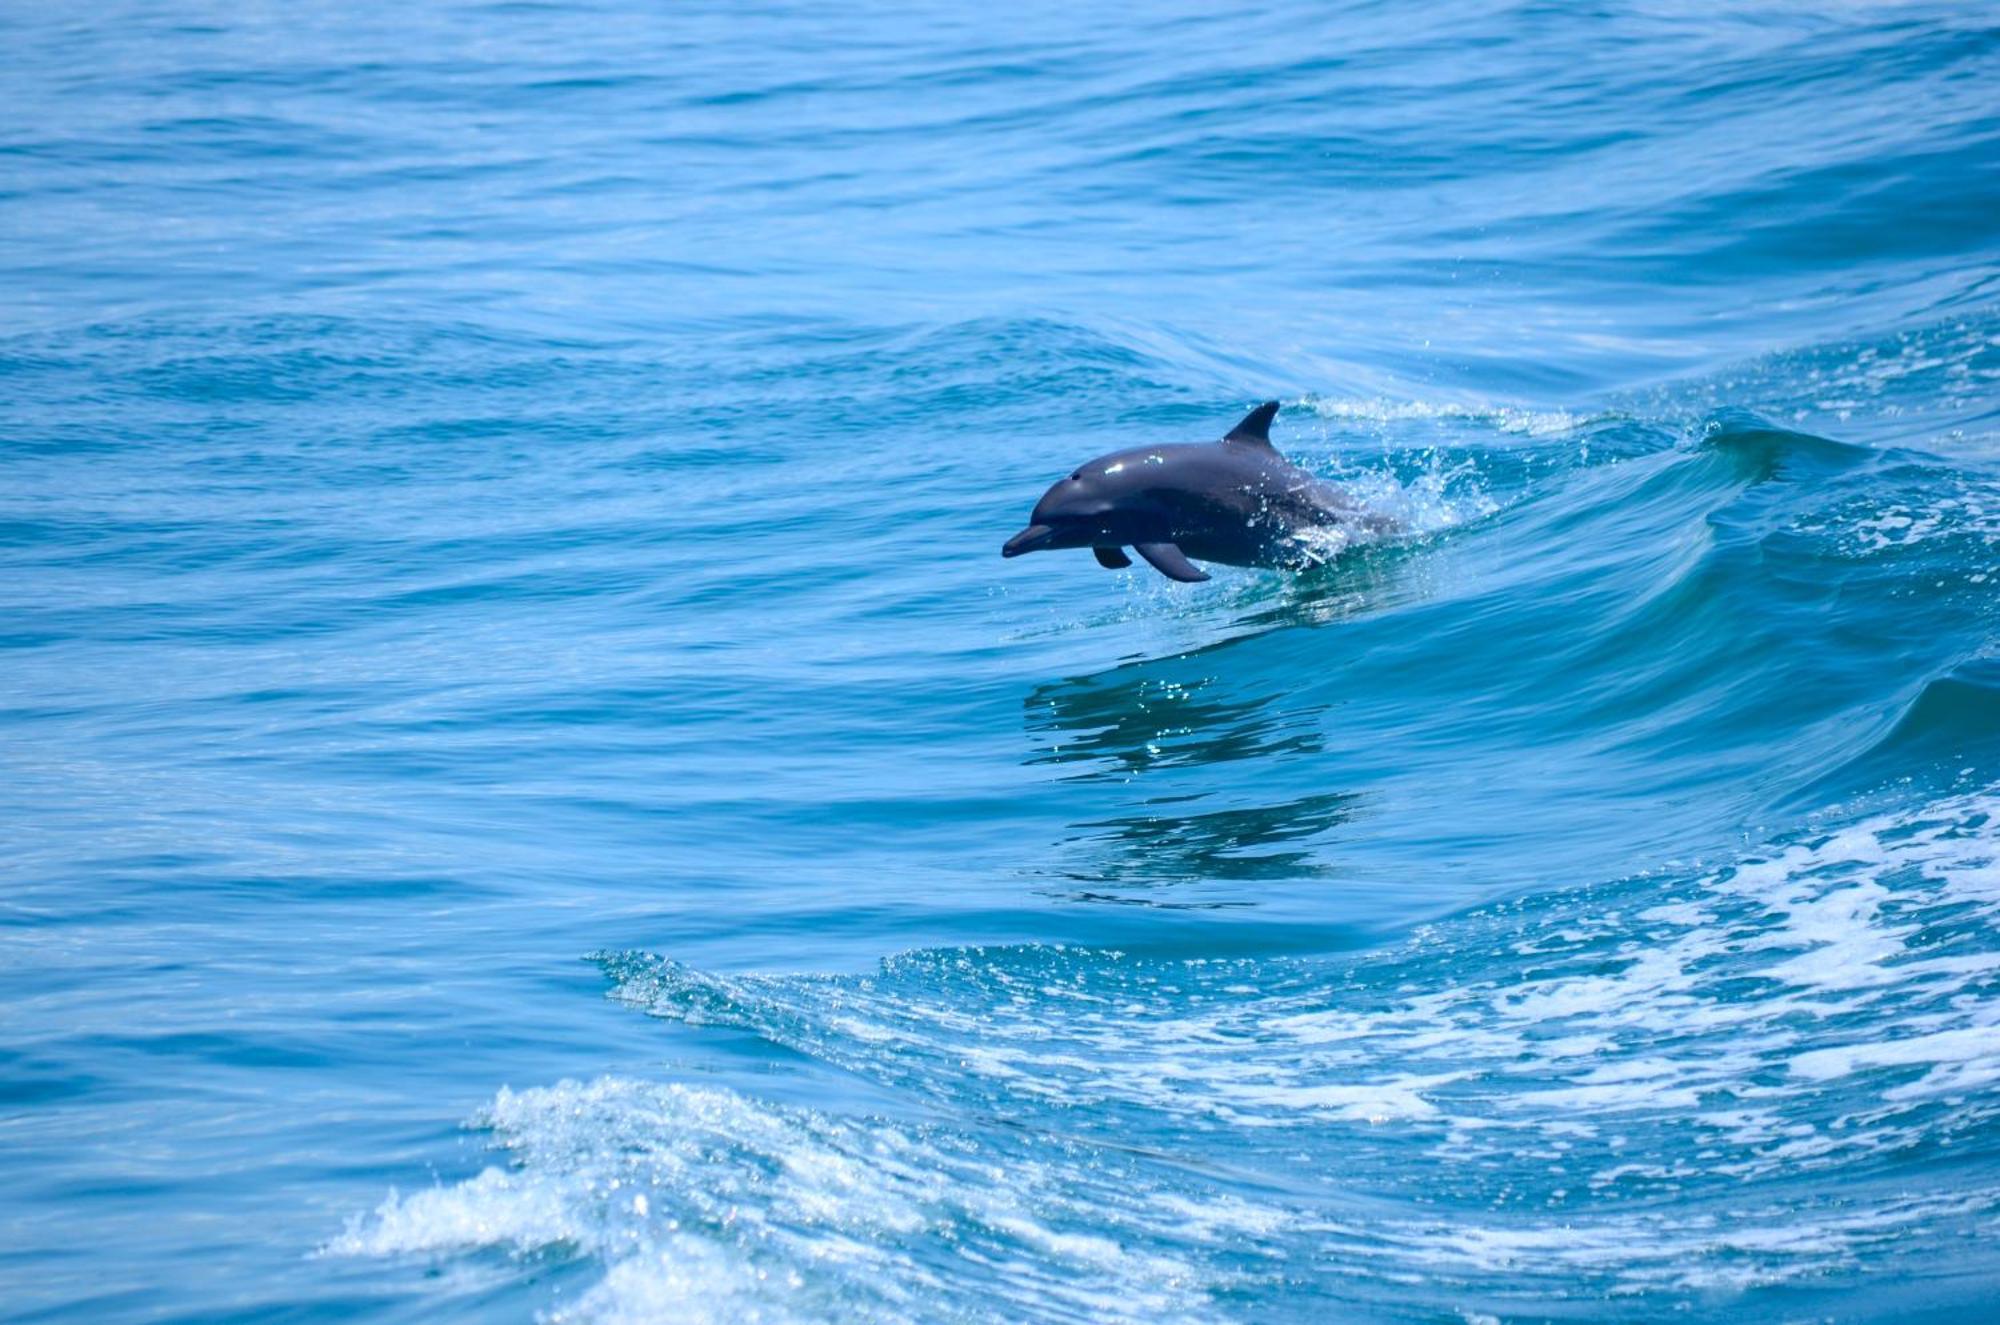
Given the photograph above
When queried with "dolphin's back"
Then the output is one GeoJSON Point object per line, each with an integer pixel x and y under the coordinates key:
{"type": "Point", "coordinates": [1238, 504]}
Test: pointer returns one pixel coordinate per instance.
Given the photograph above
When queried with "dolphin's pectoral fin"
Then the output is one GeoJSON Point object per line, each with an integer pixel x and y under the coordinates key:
{"type": "Point", "coordinates": [1110, 558]}
{"type": "Point", "coordinates": [1171, 562]}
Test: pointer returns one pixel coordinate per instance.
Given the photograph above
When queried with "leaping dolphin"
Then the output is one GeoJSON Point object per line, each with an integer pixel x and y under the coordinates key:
{"type": "Point", "coordinates": [1236, 501]}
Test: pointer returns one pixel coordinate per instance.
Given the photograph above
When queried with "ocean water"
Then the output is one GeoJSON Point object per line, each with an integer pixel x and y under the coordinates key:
{"type": "Point", "coordinates": [528, 793]}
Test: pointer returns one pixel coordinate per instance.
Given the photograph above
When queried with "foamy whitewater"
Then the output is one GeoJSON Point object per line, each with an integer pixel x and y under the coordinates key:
{"type": "Point", "coordinates": [530, 794]}
{"type": "Point", "coordinates": [1578, 1113]}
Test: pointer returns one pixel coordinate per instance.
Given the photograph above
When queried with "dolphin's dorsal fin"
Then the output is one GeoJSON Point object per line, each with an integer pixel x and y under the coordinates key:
{"type": "Point", "coordinates": [1255, 430]}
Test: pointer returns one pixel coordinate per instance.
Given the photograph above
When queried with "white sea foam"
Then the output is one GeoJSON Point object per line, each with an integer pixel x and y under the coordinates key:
{"type": "Point", "coordinates": [1482, 1106]}
{"type": "Point", "coordinates": [1500, 418]}
{"type": "Point", "coordinates": [1960, 511]}
{"type": "Point", "coordinates": [703, 1204]}
{"type": "Point", "coordinates": [1443, 496]}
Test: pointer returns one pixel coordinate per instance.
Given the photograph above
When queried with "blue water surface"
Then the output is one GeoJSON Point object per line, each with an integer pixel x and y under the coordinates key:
{"type": "Point", "coordinates": [529, 793]}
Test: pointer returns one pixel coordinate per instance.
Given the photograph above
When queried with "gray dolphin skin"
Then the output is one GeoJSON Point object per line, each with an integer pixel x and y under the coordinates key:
{"type": "Point", "coordinates": [1236, 501]}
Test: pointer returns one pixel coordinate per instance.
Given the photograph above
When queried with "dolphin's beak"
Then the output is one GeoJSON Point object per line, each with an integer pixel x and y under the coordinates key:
{"type": "Point", "coordinates": [1034, 536]}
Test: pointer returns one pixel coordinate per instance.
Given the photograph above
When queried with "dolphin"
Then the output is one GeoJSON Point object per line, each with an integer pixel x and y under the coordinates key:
{"type": "Point", "coordinates": [1236, 501]}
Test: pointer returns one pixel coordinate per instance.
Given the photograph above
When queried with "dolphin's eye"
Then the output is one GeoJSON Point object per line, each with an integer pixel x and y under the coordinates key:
{"type": "Point", "coordinates": [1076, 476]}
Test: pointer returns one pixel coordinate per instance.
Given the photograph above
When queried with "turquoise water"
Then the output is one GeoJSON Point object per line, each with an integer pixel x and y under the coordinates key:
{"type": "Point", "coordinates": [529, 792]}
